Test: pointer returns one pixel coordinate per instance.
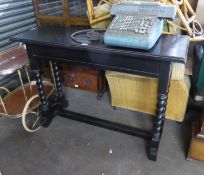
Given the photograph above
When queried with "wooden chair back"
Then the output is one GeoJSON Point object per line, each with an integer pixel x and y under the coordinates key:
{"type": "Point", "coordinates": [57, 12]}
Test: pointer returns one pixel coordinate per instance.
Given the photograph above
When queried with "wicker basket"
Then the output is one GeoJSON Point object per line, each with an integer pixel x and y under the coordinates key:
{"type": "Point", "coordinates": [139, 93]}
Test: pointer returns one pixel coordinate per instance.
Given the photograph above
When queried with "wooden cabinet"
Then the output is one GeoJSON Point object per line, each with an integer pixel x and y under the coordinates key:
{"type": "Point", "coordinates": [85, 78]}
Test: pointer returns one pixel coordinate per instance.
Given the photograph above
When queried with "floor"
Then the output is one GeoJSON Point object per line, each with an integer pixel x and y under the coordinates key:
{"type": "Point", "coordinates": [71, 148]}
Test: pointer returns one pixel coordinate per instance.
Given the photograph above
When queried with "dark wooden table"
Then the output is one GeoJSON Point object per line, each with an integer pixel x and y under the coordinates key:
{"type": "Point", "coordinates": [55, 44]}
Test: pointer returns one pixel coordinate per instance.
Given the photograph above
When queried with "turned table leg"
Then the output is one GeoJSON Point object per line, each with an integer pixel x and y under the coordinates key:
{"type": "Point", "coordinates": [40, 86]}
{"type": "Point", "coordinates": [46, 112]}
{"type": "Point", "coordinates": [163, 89]}
{"type": "Point", "coordinates": [60, 96]}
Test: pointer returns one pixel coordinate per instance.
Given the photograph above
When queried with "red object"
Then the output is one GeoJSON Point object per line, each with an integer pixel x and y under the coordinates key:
{"type": "Point", "coordinates": [12, 60]}
{"type": "Point", "coordinates": [82, 77]}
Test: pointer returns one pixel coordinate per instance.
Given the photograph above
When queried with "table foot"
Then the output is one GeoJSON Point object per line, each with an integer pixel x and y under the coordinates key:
{"type": "Point", "coordinates": [47, 117]}
{"type": "Point", "coordinates": [153, 150]}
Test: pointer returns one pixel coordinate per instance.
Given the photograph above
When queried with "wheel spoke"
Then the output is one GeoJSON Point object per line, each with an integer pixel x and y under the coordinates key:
{"type": "Point", "coordinates": [35, 122]}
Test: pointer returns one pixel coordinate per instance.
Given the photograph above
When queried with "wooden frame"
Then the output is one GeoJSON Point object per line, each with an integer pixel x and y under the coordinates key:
{"type": "Point", "coordinates": [188, 18]}
{"type": "Point", "coordinates": [64, 19]}
{"type": "Point", "coordinates": [92, 18]}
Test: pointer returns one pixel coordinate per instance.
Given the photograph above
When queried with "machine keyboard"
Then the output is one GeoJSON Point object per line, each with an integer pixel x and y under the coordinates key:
{"type": "Point", "coordinates": [139, 25]}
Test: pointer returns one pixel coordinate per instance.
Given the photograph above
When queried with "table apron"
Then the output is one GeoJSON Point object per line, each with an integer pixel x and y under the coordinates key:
{"type": "Point", "coordinates": [107, 61]}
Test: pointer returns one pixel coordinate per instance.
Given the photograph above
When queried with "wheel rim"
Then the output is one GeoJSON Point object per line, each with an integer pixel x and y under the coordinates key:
{"type": "Point", "coordinates": [4, 89]}
{"type": "Point", "coordinates": [30, 117]}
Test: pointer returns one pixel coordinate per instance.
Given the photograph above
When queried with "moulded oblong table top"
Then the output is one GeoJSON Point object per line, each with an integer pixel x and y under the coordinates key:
{"type": "Point", "coordinates": [167, 48]}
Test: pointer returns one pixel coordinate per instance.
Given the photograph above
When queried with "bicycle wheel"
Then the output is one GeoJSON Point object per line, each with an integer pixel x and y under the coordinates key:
{"type": "Point", "coordinates": [30, 117]}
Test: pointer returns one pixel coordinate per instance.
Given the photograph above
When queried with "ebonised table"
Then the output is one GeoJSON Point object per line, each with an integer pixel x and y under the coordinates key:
{"type": "Point", "coordinates": [55, 44]}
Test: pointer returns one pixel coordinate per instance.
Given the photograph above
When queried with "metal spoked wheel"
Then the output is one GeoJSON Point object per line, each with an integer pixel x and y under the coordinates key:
{"type": "Point", "coordinates": [30, 117]}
